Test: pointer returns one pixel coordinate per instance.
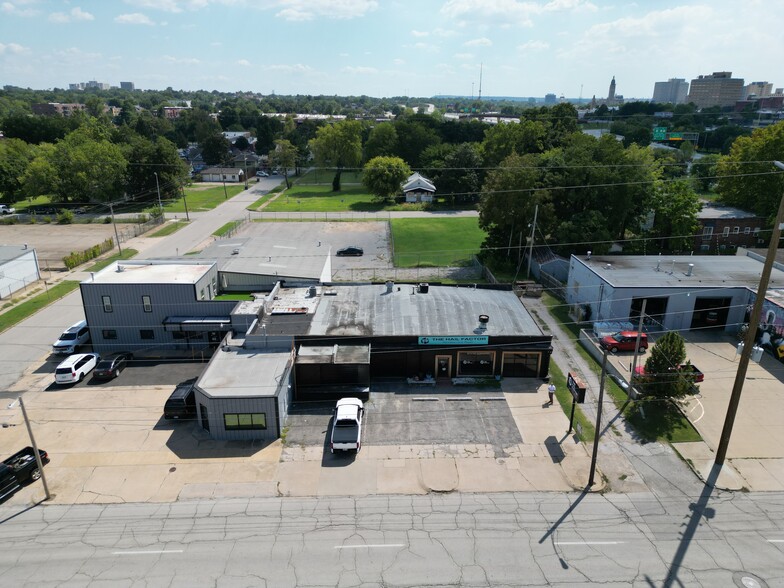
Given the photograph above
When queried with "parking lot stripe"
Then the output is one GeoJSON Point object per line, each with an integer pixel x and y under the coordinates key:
{"type": "Point", "coordinates": [369, 546]}
{"type": "Point", "coordinates": [154, 552]}
{"type": "Point", "coordinates": [459, 398]}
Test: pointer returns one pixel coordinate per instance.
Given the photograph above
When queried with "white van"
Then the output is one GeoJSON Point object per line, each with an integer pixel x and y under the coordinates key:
{"type": "Point", "coordinates": [75, 368]}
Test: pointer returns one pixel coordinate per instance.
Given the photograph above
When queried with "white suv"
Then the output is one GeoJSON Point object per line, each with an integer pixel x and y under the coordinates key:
{"type": "Point", "coordinates": [72, 337]}
{"type": "Point", "coordinates": [75, 368]}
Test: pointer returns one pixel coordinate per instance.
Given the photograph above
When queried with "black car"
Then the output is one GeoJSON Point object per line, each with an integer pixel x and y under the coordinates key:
{"type": "Point", "coordinates": [350, 251]}
{"type": "Point", "coordinates": [110, 366]}
{"type": "Point", "coordinates": [182, 402]}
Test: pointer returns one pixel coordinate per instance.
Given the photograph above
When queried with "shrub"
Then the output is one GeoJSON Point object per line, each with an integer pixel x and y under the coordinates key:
{"type": "Point", "coordinates": [77, 258]}
{"type": "Point", "coordinates": [65, 217]}
{"type": "Point", "coordinates": [107, 220]}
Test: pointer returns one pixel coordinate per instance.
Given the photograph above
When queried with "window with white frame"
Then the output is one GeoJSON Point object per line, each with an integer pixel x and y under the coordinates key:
{"type": "Point", "coordinates": [725, 232]}
{"type": "Point", "coordinates": [147, 303]}
{"type": "Point", "coordinates": [707, 233]}
{"type": "Point", "coordinates": [107, 303]}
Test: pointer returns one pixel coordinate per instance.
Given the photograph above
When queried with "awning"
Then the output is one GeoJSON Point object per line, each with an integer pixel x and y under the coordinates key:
{"type": "Point", "coordinates": [197, 323]}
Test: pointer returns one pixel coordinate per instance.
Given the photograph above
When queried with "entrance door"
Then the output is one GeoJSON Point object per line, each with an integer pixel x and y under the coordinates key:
{"type": "Point", "coordinates": [443, 366]}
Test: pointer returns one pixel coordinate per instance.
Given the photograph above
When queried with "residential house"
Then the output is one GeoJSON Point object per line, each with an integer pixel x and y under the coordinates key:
{"type": "Point", "coordinates": [418, 188]}
{"type": "Point", "coordinates": [223, 174]}
{"type": "Point", "coordinates": [723, 227]}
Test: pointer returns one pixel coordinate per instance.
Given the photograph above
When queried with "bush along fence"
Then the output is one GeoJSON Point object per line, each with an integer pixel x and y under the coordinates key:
{"type": "Point", "coordinates": [77, 258]}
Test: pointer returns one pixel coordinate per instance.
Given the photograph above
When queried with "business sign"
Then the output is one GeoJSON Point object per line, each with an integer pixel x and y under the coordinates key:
{"type": "Point", "coordinates": [577, 387]}
{"type": "Point", "coordinates": [474, 340]}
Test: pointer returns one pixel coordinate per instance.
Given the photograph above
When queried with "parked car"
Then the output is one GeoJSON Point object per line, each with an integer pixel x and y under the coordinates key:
{"type": "Point", "coordinates": [110, 366]}
{"type": "Point", "coordinates": [182, 402]}
{"type": "Point", "coordinates": [75, 368]}
{"type": "Point", "coordinates": [262, 174]}
{"type": "Point", "coordinates": [42, 210]}
{"type": "Point", "coordinates": [624, 341]}
{"type": "Point", "coordinates": [72, 337]}
{"type": "Point", "coordinates": [347, 425]}
{"type": "Point", "coordinates": [712, 318]}
{"type": "Point", "coordinates": [18, 469]}
{"type": "Point", "coordinates": [5, 209]}
{"type": "Point", "coordinates": [351, 251]}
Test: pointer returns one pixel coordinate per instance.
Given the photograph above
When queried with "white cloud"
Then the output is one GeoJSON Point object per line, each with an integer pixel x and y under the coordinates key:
{"type": "Point", "coordinates": [399, 61]}
{"type": "Point", "coordinates": [136, 18]}
{"type": "Point", "coordinates": [180, 60]}
{"type": "Point", "coordinates": [533, 46]}
{"type": "Point", "coordinates": [481, 42]}
{"type": "Point", "coordinates": [289, 68]}
{"type": "Point", "coordinates": [76, 14]}
{"type": "Point", "coordinates": [517, 11]}
{"type": "Point", "coordinates": [342, 54]}
{"type": "Point", "coordinates": [244, 63]}
{"type": "Point", "coordinates": [419, 33]}
{"type": "Point", "coordinates": [303, 10]}
{"type": "Point", "coordinates": [360, 70]}
{"type": "Point", "coordinates": [464, 56]}
{"type": "Point", "coordinates": [164, 5]}
{"type": "Point", "coordinates": [15, 9]}
{"type": "Point", "coordinates": [10, 48]}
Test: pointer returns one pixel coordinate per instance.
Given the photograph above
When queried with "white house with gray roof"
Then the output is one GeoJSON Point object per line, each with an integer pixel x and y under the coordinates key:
{"type": "Point", "coordinates": [417, 188]}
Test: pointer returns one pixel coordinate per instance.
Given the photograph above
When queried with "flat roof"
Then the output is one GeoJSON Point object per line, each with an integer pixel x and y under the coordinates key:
{"type": "Point", "coordinates": [369, 310]}
{"type": "Point", "coordinates": [709, 271]}
{"type": "Point", "coordinates": [263, 249]}
{"type": "Point", "coordinates": [240, 372]}
{"type": "Point", "coordinates": [9, 252]}
{"type": "Point", "coordinates": [711, 211]}
{"type": "Point", "coordinates": [151, 272]}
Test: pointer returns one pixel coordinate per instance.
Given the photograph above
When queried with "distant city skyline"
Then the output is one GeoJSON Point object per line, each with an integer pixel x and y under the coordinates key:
{"type": "Point", "coordinates": [389, 48]}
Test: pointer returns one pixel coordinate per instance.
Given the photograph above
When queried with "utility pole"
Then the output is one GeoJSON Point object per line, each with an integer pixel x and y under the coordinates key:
{"type": "Point", "coordinates": [632, 390]}
{"type": "Point", "coordinates": [531, 250]}
{"type": "Point", "coordinates": [751, 334]}
{"type": "Point", "coordinates": [185, 202]}
{"type": "Point", "coordinates": [35, 449]}
{"type": "Point", "coordinates": [598, 420]}
{"type": "Point", "coordinates": [116, 234]}
{"type": "Point", "coordinates": [158, 187]}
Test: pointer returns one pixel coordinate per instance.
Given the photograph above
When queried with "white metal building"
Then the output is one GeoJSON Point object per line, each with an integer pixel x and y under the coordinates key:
{"type": "Point", "coordinates": [18, 268]}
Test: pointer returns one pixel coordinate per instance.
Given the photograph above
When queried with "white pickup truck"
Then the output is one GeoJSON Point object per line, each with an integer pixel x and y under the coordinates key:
{"type": "Point", "coordinates": [5, 209]}
{"type": "Point", "coordinates": [347, 425]}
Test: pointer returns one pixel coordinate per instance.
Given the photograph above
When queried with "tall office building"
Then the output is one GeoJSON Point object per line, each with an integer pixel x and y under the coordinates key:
{"type": "Point", "coordinates": [127, 86]}
{"type": "Point", "coordinates": [673, 91]}
{"type": "Point", "coordinates": [758, 90]}
{"type": "Point", "coordinates": [717, 89]}
{"type": "Point", "coordinates": [611, 92]}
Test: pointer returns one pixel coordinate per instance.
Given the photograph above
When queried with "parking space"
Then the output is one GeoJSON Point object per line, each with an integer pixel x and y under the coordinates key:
{"type": "Point", "coordinates": [138, 373]}
{"type": "Point", "coordinates": [415, 417]}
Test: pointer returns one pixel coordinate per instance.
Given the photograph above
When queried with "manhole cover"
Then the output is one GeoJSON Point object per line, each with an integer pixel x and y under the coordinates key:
{"type": "Point", "coordinates": [747, 580]}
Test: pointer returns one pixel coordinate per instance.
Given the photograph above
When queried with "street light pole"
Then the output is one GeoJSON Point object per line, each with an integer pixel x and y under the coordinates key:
{"type": "Point", "coordinates": [38, 461]}
{"type": "Point", "coordinates": [751, 334]}
{"type": "Point", "coordinates": [158, 187]}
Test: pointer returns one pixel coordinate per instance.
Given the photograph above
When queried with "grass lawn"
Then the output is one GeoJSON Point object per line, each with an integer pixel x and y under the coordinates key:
{"type": "Point", "coordinates": [256, 205]}
{"type": "Point", "coordinates": [432, 242]}
{"type": "Point", "coordinates": [325, 176]}
{"type": "Point", "coordinates": [662, 421]}
{"type": "Point", "coordinates": [320, 198]}
{"type": "Point", "coordinates": [169, 228]}
{"type": "Point", "coordinates": [234, 296]}
{"type": "Point", "coordinates": [29, 307]}
{"type": "Point", "coordinates": [229, 226]}
{"type": "Point", "coordinates": [202, 197]}
{"type": "Point", "coordinates": [564, 398]}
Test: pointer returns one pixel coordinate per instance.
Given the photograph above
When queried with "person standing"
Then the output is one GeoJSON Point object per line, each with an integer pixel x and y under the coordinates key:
{"type": "Point", "coordinates": [551, 393]}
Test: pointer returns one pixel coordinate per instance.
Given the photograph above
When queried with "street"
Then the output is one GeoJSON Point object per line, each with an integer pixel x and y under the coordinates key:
{"type": "Point", "coordinates": [507, 539]}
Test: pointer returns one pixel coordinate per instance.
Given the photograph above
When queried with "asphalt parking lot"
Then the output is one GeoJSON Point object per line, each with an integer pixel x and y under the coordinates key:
{"type": "Point", "coordinates": [138, 373]}
{"type": "Point", "coordinates": [415, 417]}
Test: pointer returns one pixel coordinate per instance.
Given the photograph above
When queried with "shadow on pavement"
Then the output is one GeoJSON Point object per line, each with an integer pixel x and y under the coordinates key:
{"type": "Point", "coordinates": [553, 447]}
{"type": "Point", "coordinates": [189, 441]}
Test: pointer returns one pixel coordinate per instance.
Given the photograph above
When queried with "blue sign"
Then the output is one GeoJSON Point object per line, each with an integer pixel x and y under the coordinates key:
{"type": "Point", "coordinates": [475, 340]}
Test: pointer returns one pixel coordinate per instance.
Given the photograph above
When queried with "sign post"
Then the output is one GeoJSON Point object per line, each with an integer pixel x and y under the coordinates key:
{"type": "Point", "coordinates": [577, 389]}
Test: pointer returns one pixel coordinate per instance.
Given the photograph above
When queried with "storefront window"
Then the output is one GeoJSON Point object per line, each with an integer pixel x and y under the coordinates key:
{"type": "Point", "coordinates": [475, 363]}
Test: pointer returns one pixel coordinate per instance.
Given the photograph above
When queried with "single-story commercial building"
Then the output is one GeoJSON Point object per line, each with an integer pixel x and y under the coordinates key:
{"type": "Point", "coordinates": [223, 174]}
{"type": "Point", "coordinates": [18, 268]}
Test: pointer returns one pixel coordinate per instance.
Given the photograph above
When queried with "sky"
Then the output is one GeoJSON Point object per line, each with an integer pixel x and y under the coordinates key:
{"type": "Point", "coordinates": [389, 47]}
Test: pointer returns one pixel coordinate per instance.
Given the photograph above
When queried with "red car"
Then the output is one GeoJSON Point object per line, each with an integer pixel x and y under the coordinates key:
{"type": "Point", "coordinates": [624, 341]}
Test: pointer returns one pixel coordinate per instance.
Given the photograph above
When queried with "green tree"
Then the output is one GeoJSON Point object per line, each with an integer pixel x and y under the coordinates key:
{"type": "Point", "coordinates": [662, 378]}
{"type": "Point", "coordinates": [414, 136]}
{"type": "Point", "coordinates": [147, 158]}
{"type": "Point", "coordinates": [283, 157]}
{"type": "Point", "coordinates": [338, 146]}
{"type": "Point", "coordinates": [383, 176]}
{"type": "Point", "coordinates": [501, 141]}
{"type": "Point", "coordinates": [675, 206]}
{"type": "Point", "coordinates": [703, 172]}
{"type": "Point", "coordinates": [745, 175]}
{"type": "Point", "coordinates": [215, 149]}
{"type": "Point", "coordinates": [460, 180]}
{"type": "Point", "coordinates": [15, 156]}
{"type": "Point", "coordinates": [382, 141]}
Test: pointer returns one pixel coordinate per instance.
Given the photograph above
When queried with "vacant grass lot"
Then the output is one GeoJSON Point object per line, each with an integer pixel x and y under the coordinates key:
{"type": "Point", "coordinates": [322, 176]}
{"type": "Point", "coordinates": [320, 198]}
{"type": "Point", "coordinates": [432, 242]}
{"type": "Point", "coordinates": [201, 197]}
{"type": "Point", "coordinates": [29, 307]}
{"type": "Point", "coordinates": [169, 228]}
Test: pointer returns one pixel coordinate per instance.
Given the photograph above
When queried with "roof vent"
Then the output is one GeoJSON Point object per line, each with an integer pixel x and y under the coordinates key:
{"type": "Point", "coordinates": [484, 318]}
{"type": "Point", "coordinates": [312, 291]}
{"type": "Point", "coordinates": [690, 270]}
{"type": "Point", "coordinates": [423, 288]}
{"type": "Point", "coordinates": [120, 268]}
{"type": "Point", "coordinates": [608, 266]}
{"type": "Point", "coordinates": [390, 286]}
